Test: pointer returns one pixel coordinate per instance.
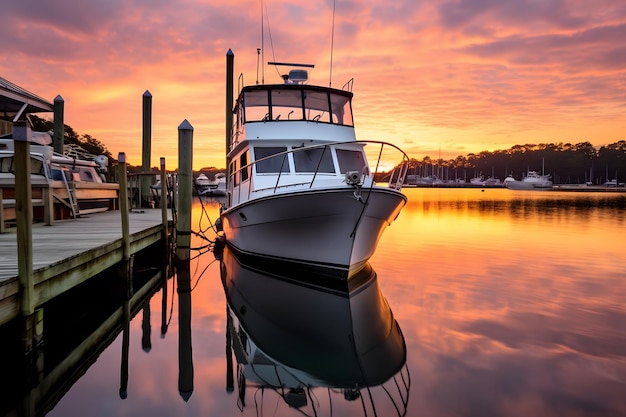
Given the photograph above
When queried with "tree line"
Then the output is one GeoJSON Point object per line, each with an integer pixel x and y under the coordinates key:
{"type": "Point", "coordinates": [567, 163]}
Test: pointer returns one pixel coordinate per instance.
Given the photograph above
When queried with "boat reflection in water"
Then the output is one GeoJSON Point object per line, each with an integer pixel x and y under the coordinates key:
{"type": "Point", "coordinates": [321, 350]}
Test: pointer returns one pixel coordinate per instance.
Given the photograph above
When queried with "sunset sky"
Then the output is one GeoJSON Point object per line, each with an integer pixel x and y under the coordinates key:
{"type": "Point", "coordinates": [445, 78]}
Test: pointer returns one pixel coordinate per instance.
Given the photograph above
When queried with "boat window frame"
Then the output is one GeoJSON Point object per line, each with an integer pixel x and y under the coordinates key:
{"type": "Point", "coordinates": [266, 106]}
{"type": "Point", "coordinates": [245, 167]}
{"type": "Point", "coordinates": [319, 163]}
{"type": "Point", "coordinates": [259, 161]}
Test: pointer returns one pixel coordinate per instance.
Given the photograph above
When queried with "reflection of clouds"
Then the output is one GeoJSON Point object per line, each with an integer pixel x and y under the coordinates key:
{"type": "Point", "coordinates": [510, 305]}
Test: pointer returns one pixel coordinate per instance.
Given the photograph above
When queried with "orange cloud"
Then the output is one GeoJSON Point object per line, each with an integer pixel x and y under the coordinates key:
{"type": "Point", "coordinates": [460, 76]}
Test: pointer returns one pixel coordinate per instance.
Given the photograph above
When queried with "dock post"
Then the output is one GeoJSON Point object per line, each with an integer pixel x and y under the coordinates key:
{"type": "Point", "coordinates": [59, 124]}
{"type": "Point", "coordinates": [146, 146]}
{"type": "Point", "coordinates": [230, 68]}
{"type": "Point", "coordinates": [24, 216]}
{"type": "Point", "coordinates": [164, 194]}
{"type": "Point", "coordinates": [127, 260]}
{"type": "Point", "coordinates": [185, 179]}
{"type": "Point", "coordinates": [123, 196]}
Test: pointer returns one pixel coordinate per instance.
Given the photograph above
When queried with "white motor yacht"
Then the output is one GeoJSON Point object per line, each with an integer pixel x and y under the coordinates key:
{"type": "Point", "coordinates": [300, 186]}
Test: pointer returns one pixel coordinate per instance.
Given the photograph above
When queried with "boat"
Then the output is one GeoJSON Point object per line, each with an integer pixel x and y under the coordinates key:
{"type": "Point", "coordinates": [207, 187]}
{"type": "Point", "coordinates": [477, 181]}
{"type": "Point", "coordinates": [532, 181]}
{"type": "Point", "coordinates": [493, 182]}
{"type": "Point", "coordinates": [299, 184]}
{"type": "Point", "coordinates": [78, 185]}
{"type": "Point", "coordinates": [318, 351]}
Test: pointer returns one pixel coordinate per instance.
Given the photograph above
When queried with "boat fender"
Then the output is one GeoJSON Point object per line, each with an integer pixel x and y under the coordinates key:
{"type": "Point", "coordinates": [102, 162]}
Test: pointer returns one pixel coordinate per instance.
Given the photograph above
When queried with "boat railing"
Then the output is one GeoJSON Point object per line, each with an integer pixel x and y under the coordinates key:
{"type": "Point", "coordinates": [348, 85]}
{"type": "Point", "coordinates": [394, 175]}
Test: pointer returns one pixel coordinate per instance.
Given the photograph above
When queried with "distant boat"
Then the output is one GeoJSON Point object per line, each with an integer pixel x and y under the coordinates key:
{"type": "Point", "coordinates": [532, 181]}
{"type": "Point", "coordinates": [479, 180]}
{"type": "Point", "coordinates": [208, 187]}
{"type": "Point", "coordinates": [493, 182]}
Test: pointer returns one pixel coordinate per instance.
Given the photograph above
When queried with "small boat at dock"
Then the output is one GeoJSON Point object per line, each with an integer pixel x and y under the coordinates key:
{"type": "Point", "coordinates": [78, 185]}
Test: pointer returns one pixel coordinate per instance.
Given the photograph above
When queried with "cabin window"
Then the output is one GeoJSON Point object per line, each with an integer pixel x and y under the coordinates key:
{"type": "Point", "coordinates": [6, 164]}
{"type": "Point", "coordinates": [273, 164]}
{"type": "Point", "coordinates": [308, 160]}
{"type": "Point", "coordinates": [350, 160]}
{"type": "Point", "coordinates": [316, 105]}
{"type": "Point", "coordinates": [37, 167]}
{"type": "Point", "coordinates": [287, 105]}
{"type": "Point", "coordinates": [233, 170]}
{"type": "Point", "coordinates": [256, 106]}
{"type": "Point", "coordinates": [243, 163]}
{"type": "Point", "coordinates": [341, 109]}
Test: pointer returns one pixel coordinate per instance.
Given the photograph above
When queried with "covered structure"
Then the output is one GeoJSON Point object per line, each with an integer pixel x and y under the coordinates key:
{"type": "Point", "coordinates": [16, 102]}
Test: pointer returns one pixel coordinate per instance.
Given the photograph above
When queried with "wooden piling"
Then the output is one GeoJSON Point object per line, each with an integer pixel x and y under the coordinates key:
{"type": "Point", "coordinates": [146, 144]}
{"type": "Point", "coordinates": [24, 216]}
{"type": "Point", "coordinates": [59, 124]}
{"type": "Point", "coordinates": [230, 66]}
{"type": "Point", "coordinates": [185, 180]}
{"type": "Point", "coordinates": [123, 203]}
{"type": "Point", "coordinates": [164, 194]}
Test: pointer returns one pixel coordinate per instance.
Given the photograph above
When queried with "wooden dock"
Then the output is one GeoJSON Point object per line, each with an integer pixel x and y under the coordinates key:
{"type": "Point", "coordinates": [71, 251]}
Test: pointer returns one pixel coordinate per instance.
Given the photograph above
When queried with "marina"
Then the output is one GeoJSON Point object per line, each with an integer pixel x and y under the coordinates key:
{"type": "Point", "coordinates": [476, 300]}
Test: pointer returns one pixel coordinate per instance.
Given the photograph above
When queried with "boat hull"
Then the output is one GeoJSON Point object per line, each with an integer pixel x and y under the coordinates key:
{"type": "Point", "coordinates": [333, 227]}
{"type": "Point", "coordinates": [521, 185]}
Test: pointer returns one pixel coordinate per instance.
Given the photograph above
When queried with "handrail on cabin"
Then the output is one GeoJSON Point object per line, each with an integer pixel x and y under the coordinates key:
{"type": "Point", "coordinates": [396, 178]}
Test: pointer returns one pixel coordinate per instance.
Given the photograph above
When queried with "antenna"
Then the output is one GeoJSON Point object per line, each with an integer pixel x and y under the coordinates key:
{"type": "Point", "coordinates": [262, 43]}
{"type": "Point", "coordinates": [332, 46]}
{"type": "Point", "coordinates": [258, 53]}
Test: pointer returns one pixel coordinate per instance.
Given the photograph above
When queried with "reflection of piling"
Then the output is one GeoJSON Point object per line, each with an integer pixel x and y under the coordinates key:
{"type": "Point", "coordinates": [185, 359]}
{"type": "Point", "coordinates": [125, 348]}
{"type": "Point", "coordinates": [185, 180]}
{"type": "Point", "coordinates": [230, 380]}
{"type": "Point", "coordinates": [164, 305]}
{"type": "Point", "coordinates": [146, 328]}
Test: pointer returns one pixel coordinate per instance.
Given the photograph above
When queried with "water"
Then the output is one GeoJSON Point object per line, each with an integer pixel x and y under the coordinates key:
{"type": "Point", "coordinates": [510, 304]}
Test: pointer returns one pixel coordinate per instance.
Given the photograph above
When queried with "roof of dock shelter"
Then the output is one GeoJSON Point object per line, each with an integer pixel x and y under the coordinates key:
{"type": "Point", "coordinates": [13, 98]}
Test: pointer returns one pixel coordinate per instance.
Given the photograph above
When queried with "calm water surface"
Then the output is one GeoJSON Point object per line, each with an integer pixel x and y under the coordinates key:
{"type": "Point", "coordinates": [510, 303]}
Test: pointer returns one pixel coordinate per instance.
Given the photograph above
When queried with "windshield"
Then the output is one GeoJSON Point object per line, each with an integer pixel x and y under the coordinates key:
{"type": "Point", "coordinates": [289, 103]}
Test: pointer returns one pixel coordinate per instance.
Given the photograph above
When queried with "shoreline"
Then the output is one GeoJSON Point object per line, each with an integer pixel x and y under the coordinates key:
{"type": "Point", "coordinates": [561, 187]}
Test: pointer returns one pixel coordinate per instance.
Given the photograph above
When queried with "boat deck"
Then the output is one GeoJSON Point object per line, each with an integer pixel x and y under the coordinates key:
{"type": "Point", "coordinates": [71, 251]}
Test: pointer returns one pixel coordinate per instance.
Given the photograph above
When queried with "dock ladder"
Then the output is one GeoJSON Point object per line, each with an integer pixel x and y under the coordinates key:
{"type": "Point", "coordinates": [71, 193]}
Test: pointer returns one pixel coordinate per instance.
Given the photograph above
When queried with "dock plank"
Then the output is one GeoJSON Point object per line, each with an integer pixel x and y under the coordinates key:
{"type": "Point", "coordinates": [67, 238]}
{"type": "Point", "coordinates": [70, 252]}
